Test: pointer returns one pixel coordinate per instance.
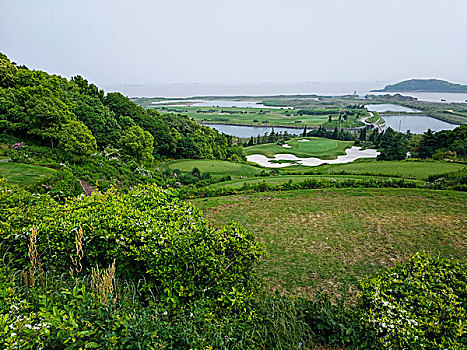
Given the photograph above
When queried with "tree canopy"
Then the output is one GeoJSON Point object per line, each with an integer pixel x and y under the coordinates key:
{"type": "Point", "coordinates": [79, 118]}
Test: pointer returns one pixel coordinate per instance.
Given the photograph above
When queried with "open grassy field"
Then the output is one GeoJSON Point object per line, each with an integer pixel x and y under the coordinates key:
{"type": "Point", "coordinates": [214, 167]}
{"type": "Point", "coordinates": [23, 174]}
{"type": "Point", "coordinates": [261, 116]}
{"type": "Point", "coordinates": [407, 169]}
{"type": "Point", "coordinates": [315, 147]}
{"type": "Point", "coordinates": [326, 240]}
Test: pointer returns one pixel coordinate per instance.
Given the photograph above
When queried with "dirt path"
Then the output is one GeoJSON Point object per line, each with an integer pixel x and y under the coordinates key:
{"type": "Point", "coordinates": [375, 125]}
{"type": "Point", "coordinates": [87, 188]}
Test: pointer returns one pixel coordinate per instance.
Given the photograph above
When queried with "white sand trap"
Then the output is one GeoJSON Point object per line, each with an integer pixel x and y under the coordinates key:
{"type": "Point", "coordinates": [286, 146]}
{"type": "Point", "coordinates": [304, 140]}
{"type": "Point", "coordinates": [352, 154]}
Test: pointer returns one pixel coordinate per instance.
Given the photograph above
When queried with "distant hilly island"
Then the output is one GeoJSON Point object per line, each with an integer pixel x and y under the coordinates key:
{"type": "Point", "coordinates": [424, 85]}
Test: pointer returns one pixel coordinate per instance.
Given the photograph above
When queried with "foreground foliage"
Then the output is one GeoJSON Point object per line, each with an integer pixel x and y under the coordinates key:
{"type": "Point", "coordinates": [421, 304]}
{"type": "Point", "coordinates": [155, 239]}
{"type": "Point", "coordinates": [143, 270]}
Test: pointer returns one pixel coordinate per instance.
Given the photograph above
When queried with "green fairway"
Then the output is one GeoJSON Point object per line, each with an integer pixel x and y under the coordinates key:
{"type": "Point", "coordinates": [326, 240]}
{"type": "Point", "coordinates": [314, 147]}
{"type": "Point", "coordinates": [262, 116]}
{"type": "Point", "coordinates": [277, 180]}
{"type": "Point", "coordinates": [23, 174]}
{"type": "Point", "coordinates": [407, 169]}
{"type": "Point", "coordinates": [214, 167]}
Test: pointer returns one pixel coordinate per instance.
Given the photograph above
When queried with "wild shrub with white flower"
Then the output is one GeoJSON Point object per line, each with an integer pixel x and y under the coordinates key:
{"type": "Point", "coordinates": [418, 304]}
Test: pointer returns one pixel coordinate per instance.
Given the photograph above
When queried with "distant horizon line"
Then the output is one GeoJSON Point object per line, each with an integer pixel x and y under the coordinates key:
{"type": "Point", "coordinates": [175, 83]}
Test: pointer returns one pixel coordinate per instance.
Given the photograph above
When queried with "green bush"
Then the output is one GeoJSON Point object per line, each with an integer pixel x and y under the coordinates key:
{"type": "Point", "coordinates": [69, 318]}
{"type": "Point", "coordinates": [418, 304]}
{"type": "Point", "coordinates": [164, 244]}
{"type": "Point", "coordinates": [76, 139]}
{"type": "Point", "coordinates": [59, 186]}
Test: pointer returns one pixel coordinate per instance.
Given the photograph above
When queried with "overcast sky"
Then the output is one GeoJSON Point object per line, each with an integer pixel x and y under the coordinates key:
{"type": "Point", "coordinates": [238, 41]}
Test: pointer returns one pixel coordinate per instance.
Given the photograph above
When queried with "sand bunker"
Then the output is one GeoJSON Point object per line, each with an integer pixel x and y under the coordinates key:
{"type": "Point", "coordinates": [286, 146]}
{"type": "Point", "coordinates": [352, 154]}
{"type": "Point", "coordinates": [304, 140]}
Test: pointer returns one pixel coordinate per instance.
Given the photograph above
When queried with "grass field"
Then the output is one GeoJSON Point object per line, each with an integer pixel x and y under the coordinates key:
{"type": "Point", "coordinates": [214, 167]}
{"type": "Point", "coordinates": [407, 169]}
{"type": "Point", "coordinates": [260, 116]}
{"type": "Point", "coordinates": [326, 240]}
{"type": "Point", "coordinates": [316, 147]}
{"type": "Point", "coordinates": [277, 180]}
{"type": "Point", "coordinates": [23, 174]}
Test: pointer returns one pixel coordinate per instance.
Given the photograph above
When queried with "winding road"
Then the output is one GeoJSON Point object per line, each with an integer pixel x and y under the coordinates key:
{"type": "Point", "coordinates": [375, 125]}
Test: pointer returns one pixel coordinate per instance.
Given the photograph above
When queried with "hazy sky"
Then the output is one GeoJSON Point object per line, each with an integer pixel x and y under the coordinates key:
{"type": "Point", "coordinates": [238, 41]}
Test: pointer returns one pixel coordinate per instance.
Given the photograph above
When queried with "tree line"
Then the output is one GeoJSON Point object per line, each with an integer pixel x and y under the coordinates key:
{"type": "Point", "coordinates": [79, 119]}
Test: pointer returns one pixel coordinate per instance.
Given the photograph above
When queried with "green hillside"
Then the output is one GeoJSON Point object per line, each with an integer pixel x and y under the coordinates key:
{"type": "Point", "coordinates": [424, 85]}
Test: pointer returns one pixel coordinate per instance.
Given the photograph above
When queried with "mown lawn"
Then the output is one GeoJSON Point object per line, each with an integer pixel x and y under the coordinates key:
{"type": "Point", "coordinates": [315, 147]}
{"type": "Point", "coordinates": [23, 174]}
{"type": "Point", "coordinates": [326, 240]}
{"type": "Point", "coordinates": [406, 169]}
{"type": "Point", "coordinates": [259, 116]}
{"type": "Point", "coordinates": [214, 167]}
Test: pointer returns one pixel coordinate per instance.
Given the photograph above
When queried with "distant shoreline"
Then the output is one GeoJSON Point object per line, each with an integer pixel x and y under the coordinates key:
{"type": "Point", "coordinates": [424, 91]}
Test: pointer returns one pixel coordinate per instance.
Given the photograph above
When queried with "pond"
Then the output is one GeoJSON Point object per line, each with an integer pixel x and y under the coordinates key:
{"type": "Point", "coordinates": [390, 108]}
{"type": "Point", "coordinates": [249, 131]}
{"type": "Point", "coordinates": [352, 154]}
{"type": "Point", "coordinates": [417, 124]}
{"type": "Point", "coordinates": [232, 103]}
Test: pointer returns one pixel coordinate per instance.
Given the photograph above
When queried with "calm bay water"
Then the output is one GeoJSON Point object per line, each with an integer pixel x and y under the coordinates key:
{"type": "Point", "coordinates": [249, 131]}
{"type": "Point", "coordinates": [269, 89]}
{"type": "Point", "coordinates": [417, 124]}
{"type": "Point", "coordinates": [390, 108]}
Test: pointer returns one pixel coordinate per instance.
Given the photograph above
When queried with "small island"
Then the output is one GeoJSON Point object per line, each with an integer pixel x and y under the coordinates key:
{"type": "Point", "coordinates": [424, 85]}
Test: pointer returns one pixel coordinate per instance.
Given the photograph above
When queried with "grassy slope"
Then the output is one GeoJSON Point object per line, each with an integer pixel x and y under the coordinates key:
{"type": "Point", "coordinates": [317, 147]}
{"type": "Point", "coordinates": [214, 167]}
{"type": "Point", "coordinates": [407, 169]}
{"type": "Point", "coordinates": [328, 239]}
{"type": "Point", "coordinates": [23, 174]}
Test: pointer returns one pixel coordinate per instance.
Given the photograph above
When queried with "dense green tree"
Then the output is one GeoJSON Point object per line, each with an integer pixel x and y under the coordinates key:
{"type": "Point", "coordinates": [36, 106]}
{"type": "Point", "coordinates": [123, 106]}
{"type": "Point", "coordinates": [393, 146]}
{"type": "Point", "coordinates": [99, 119]}
{"type": "Point", "coordinates": [45, 116]}
{"type": "Point", "coordinates": [77, 139]}
{"type": "Point", "coordinates": [138, 144]}
{"type": "Point", "coordinates": [7, 72]}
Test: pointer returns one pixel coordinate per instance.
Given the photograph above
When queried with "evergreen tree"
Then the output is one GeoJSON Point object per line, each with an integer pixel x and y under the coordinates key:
{"type": "Point", "coordinates": [335, 134]}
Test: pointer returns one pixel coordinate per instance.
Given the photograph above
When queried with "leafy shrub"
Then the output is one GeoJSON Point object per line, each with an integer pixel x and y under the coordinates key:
{"type": "Point", "coordinates": [153, 237]}
{"type": "Point", "coordinates": [61, 185]}
{"type": "Point", "coordinates": [69, 319]}
{"type": "Point", "coordinates": [76, 139]}
{"type": "Point", "coordinates": [418, 304]}
{"type": "Point", "coordinates": [456, 180]}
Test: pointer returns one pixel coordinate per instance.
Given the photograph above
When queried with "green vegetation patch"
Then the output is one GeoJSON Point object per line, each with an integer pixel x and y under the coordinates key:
{"type": "Point", "coordinates": [262, 116]}
{"type": "Point", "coordinates": [326, 240]}
{"type": "Point", "coordinates": [314, 147]}
{"type": "Point", "coordinates": [416, 304]}
{"type": "Point", "coordinates": [23, 174]}
{"type": "Point", "coordinates": [277, 180]}
{"type": "Point", "coordinates": [407, 169]}
{"type": "Point", "coordinates": [214, 167]}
